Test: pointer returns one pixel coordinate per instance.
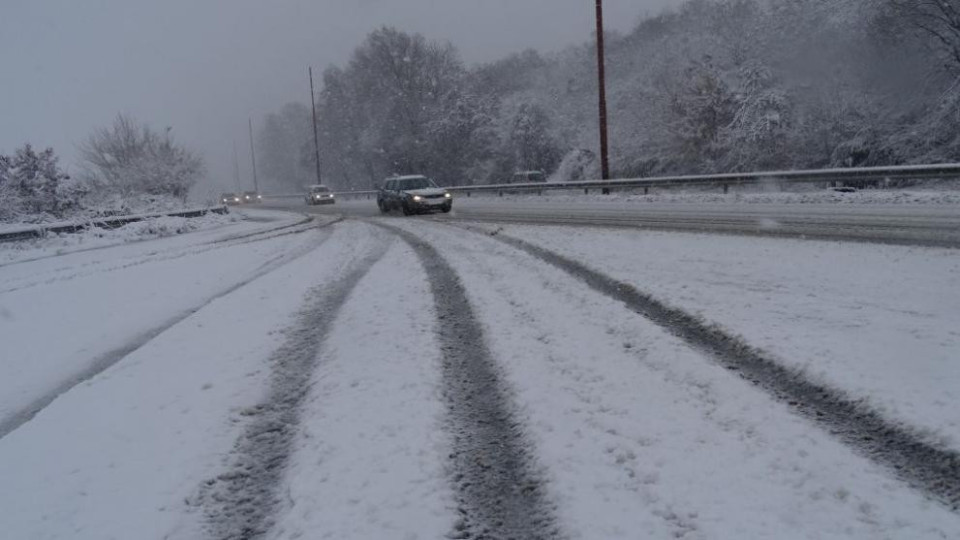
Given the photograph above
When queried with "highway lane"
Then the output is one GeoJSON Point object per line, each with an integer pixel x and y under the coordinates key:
{"type": "Point", "coordinates": [906, 224]}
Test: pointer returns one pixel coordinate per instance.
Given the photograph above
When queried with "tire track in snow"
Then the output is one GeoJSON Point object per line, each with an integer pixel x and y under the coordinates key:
{"type": "Point", "coordinates": [240, 503]}
{"type": "Point", "coordinates": [499, 493]}
{"type": "Point", "coordinates": [926, 466]}
{"type": "Point", "coordinates": [105, 361]}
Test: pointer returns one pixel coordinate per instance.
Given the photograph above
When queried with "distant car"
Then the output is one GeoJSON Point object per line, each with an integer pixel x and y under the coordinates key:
{"type": "Point", "coordinates": [251, 197]}
{"type": "Point", "coordinates": [528, 177]}
{"type": "Point", "coordinates": [413, 195]}
{"type": "Point", "coordinates": [230, 199]}
{"type": "Point", "coordinates": [319, 195]}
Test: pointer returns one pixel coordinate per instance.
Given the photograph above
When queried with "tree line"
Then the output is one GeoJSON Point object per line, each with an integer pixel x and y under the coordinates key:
{"type": "Point", "coordinates": [715, 86]}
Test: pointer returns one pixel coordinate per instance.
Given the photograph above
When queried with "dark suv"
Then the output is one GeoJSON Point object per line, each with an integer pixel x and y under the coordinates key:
{"type": "Point", "coordinates": [412, 195]}
{"type": "Point", "coordinates": [319, 194]}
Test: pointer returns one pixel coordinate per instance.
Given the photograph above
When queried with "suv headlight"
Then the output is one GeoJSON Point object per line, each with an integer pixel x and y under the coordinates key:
{"type": "Point", "coordinates": [448, 195]}
{"type": "Point", "coordinates": [417, 198]}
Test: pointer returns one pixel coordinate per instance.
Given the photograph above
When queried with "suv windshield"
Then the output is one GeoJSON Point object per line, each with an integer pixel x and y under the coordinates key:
{"type": "Point", "coordinates": [415, 183]}
{"type": "Point", "coordinates": [320, 189]}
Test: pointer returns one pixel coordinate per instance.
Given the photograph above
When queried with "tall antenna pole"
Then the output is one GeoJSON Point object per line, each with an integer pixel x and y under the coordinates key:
{"type": "Point", "coordinates": [604, 162]}
{"type": "Point", "coordinates": [316, 137]}
{"type": "Point", "coordinates": [236, 168]}
{"type": "Point", "coordinates": [253, 157]}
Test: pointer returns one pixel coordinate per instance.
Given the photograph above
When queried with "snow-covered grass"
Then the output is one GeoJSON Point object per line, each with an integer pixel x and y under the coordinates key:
{"type": "Point", "coordinates": [643, 438]}
{"type": "Point", "coordinates": [150, 228]}
{"type": "Point", "coordinates": [124, 454]}
{"type": "Point", "coordinates": [879, 322]}
{"type": "Point", "coordinates": [241, 222]}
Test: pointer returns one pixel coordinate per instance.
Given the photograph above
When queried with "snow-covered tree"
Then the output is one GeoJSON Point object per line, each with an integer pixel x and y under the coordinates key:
{"type": "Point", "coordinates": [34, 188]}
{"type": "Point", "coordinates": [713, 86]}
{"type": "Point", "coordinates": [758, 137]}
{"type": "Point", "coordinates": [130, 159]}
{"type": "Point", "coordinates": [532, 141]}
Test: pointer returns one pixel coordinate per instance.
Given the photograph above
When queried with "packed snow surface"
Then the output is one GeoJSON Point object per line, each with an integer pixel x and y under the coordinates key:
{"type": "Point", "coordinates": [370, 461]}
{"type": "Point", "coordinates": [878, 322]}
{"type": "Point", "coordinates": [62, 315]}
{"type": "Point", "coordinates": [124, 454]}
{"type": "Point", "coordinates": [635, 433]}
{"type": "Point", "coordinates": [643, 437]}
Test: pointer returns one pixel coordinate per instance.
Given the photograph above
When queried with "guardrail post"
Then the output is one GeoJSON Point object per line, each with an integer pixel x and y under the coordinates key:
{"type": "Point", "coordinates": [726, 188]}
{"type": "Point", "coordinates": [586, 191]}
{"type": "Point", "coordinates": [468, 193]}
{"type": "Point", "coordinates": [646, 190]}
{"type": "Point", "coordinates": [500, 193]}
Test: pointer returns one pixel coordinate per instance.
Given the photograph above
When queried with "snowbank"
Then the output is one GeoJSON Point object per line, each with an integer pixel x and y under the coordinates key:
{"type": "Point", "coordinates": [149, 228]}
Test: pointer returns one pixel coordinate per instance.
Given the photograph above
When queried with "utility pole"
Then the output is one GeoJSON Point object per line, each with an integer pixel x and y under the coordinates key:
{"type": "Point", "coordinates": [316, 137]}
{"type": "Point", "coordinates": [604, 160]}
{"type": "Point", "coordinates": [253, 157]}
{"type": "Point", "coordinates": [236, 168]}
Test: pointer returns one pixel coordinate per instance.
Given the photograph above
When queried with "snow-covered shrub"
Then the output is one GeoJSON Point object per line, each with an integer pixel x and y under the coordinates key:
{"type": "Point", "coordinates": [131, 159]}
{"type": "Point", "coordinates": [34, 189]}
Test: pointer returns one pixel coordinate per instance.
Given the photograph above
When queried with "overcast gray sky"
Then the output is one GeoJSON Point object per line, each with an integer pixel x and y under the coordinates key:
{"type": "Point", "coordinates": [205, 66]}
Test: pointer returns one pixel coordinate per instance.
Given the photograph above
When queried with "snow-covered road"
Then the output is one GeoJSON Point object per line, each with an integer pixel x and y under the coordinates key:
{"type": "Point", "coordinates": [387, 377]}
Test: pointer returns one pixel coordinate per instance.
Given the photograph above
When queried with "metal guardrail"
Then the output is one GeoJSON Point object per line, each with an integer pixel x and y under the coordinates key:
{"type": "Point", "coordinates": [865, 174]}
{"type": "Point", "coordinates": [102, 223]}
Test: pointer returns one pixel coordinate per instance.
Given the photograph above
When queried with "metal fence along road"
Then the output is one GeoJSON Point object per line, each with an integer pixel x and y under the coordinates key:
{"type": "Point", "coordinates": [851, 175]}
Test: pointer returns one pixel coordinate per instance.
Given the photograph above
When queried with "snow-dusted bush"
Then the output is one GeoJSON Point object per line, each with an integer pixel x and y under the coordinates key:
{"type": "Point", "coordinates": [130, 160]}
{"type": "Point", "coordinates": [34, 189]}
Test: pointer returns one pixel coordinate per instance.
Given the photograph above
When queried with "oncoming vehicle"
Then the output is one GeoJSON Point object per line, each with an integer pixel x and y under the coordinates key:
{"type": "Point", "coordinates": [230, 199]}
{"type": "Point", "coordinates": [528, 177]}
{"type": "Point", "coordinates": [319, 194]}
{"type": "Point", "coordinates": [251, 197]}
{"type": "Point", "coordinates": [412, 195]}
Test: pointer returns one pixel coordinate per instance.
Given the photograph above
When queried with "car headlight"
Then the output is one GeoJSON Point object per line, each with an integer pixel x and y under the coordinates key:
{"type": "Point", "coordinates": [259, 196]}
{"type": "Point", "coordinates": [331, 195]}
{"type": "Point", "coordinates": [448, 196]}
{"type": "Point", "coordinates": [417, 198]}
{"type": "Point", "coordinates": [236, 199]}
